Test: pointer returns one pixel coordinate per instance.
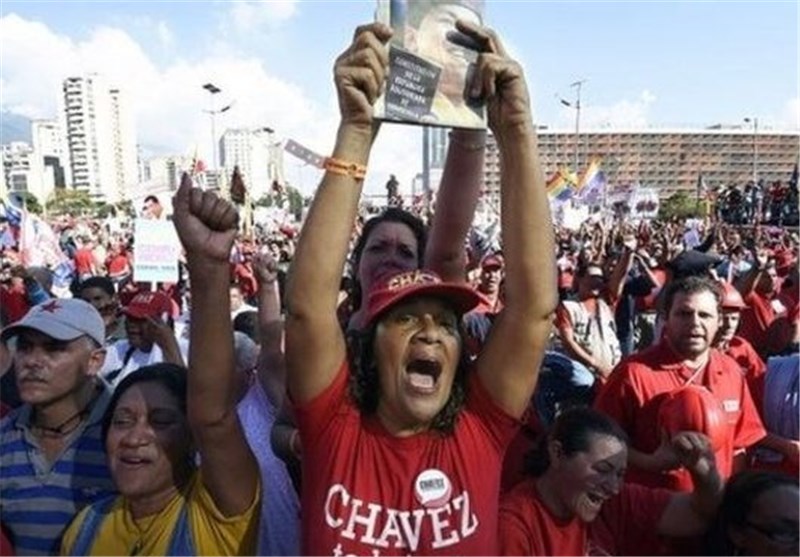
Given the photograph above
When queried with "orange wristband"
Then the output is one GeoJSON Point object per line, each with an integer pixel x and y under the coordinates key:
{"type": "Point", "coordinates": [344, 168]}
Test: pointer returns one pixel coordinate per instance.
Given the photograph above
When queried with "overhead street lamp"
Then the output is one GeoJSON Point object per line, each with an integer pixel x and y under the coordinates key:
{"type": "Point", "coordinates": [754, 121]}
{"type": "Point", "coordinates": [214, 90]}
{"type": "Point", "coordinates": [577, 106]}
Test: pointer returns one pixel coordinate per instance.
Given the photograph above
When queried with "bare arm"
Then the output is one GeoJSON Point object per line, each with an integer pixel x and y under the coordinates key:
{"type": "Point", "coordinates": [509, 364]}
{"type": "Point", "coordinates": [271, 361]}
{"type": "Point", "coordinates": [315, 346]}
{"type": "Point", "coordinates": [455, 204]}
{"type": "Point", "coordinates": [207, 226]}
{"type": "Point", "coordinates": [164, 338]}
{"type": "Point", "coordinates": [748, 283]}
{"type": "Point", "coordinates": [617, 280]}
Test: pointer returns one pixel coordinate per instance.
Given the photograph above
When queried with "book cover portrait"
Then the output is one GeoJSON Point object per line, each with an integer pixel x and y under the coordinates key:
{"type": "Point", "coordinates": [430, 63]}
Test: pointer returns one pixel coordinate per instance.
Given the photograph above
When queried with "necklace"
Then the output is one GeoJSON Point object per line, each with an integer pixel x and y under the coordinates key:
{"type": "Point", "coordinates": [67, 426]}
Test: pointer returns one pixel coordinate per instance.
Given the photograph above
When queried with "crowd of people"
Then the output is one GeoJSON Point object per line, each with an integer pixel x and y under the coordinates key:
{"type": "Point", "coordinates": [401, 386]}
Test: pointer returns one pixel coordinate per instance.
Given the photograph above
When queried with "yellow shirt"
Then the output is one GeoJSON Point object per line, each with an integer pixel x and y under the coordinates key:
{"type": "Point", "coordinates": [212, 532]}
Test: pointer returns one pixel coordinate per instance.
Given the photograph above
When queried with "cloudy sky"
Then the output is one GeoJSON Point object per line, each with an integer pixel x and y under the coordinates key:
{"type": "Point", "coordinates": [647, 63]}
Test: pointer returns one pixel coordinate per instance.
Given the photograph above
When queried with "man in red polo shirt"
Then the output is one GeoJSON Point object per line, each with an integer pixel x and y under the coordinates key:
{"type": "Point", "coordinates": [728, 342]}
{"type": "Point", "coordinates": [684, 356]}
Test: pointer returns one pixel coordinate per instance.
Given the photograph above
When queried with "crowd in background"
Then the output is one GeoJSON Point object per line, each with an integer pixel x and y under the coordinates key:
{"type": "Point", "coordinates": [405, 385]}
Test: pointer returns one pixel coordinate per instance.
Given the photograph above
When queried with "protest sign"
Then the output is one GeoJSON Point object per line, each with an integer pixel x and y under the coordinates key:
{"type": "Point", "coordinates": [156, 250]}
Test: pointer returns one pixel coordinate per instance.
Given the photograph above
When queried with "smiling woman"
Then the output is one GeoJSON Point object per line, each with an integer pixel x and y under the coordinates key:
{"type": "Point", "coordinates": [162, 416]}
{"type": "Point", "coordinates": [577, 504]}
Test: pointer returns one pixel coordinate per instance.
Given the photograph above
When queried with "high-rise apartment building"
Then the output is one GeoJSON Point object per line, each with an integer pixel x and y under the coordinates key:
{"type": "Point", "coordinates": [51, 155]}
{"type": "Point", "coordinates": [100, 138]}
{"type": "Point", "coordinates": [257, 154]}
{"type": "Point", "coordinates": [667, 160]}
{"type": "Point", "coordinates": [38, 168]}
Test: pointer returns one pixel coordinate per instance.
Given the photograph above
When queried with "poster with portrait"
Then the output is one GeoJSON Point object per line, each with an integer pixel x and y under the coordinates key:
{"type": "Point", "coordinates": [430, 63]}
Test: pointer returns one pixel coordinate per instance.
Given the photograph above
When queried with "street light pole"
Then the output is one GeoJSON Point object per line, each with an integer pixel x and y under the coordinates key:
{"type": "Point", "coordinates": [213, 90]}
{"type": "Point", "coordinates": [577, 106]}
{"type": "Point", "coordinates": [755, 148]}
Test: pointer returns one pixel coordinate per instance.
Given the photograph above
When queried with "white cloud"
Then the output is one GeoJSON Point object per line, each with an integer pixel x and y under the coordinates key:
{"type": "Point", "coordinates": [790, 118]}
{"type": "Point", "coordinates": [169, 102]}
{"type": "Point", "coordinates": [247, 16]}
{"type": "Point", "coordinates": [165, 36]}
{"type": "Point", "coordinates": [34, 61]}
{"type": "Point", "coordinates": [622, 114]}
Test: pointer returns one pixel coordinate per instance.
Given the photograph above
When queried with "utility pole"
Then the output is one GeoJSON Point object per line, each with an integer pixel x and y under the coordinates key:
{"type": "Point", "coordinates": [577, 106]}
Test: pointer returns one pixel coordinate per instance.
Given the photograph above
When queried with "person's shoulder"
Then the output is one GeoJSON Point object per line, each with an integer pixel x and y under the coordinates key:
{"type": "Point", "coordinates": [743, 344]}
{"type": "Point", "coordinates": [521, 496]}
{"type": "Point", "coordinates": [724, 362]}
{"type": "Point", "coordinates": [9, 421]}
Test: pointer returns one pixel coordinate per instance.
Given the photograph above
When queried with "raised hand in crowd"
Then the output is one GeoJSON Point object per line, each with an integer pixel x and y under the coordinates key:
{"type": "Point", "coordinates": [207, 227]}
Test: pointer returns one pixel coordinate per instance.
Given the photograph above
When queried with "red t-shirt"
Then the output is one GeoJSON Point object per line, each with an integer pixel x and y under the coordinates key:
{"type": "Point", "coordinates": [626, 524]}
{"type": "Point", "coordinates": [366, 492]}
{"type": "Point", "coordinates": [117, 264]}
{"type": "Point", "coordinates": [753, 367]}
{"type": "Point", "coordinates": [84, 261]}
{"type": "Point", "coordinates": [244, 277]}
{"type": "Point", "coordinates": [631, 397]}
{"type": "Point", "coordinates": [13, 303]}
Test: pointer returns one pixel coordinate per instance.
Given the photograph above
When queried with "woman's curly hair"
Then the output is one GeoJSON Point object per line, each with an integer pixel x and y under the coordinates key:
{"type": "Point", "coordinates": [365, 383]}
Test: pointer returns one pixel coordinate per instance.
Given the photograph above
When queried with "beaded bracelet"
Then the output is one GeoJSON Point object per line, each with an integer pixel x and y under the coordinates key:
{"type": "Point", "coordinates": [344, 168]}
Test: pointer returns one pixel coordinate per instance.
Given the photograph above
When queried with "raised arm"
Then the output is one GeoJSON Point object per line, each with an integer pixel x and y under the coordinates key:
{"type": "Point", "coordinates": [690, 514]}
{"type": "Point", "coordinates": [271, 362]}
{"type": "Point", "coordinates": [509, 363]}
{"type": "Point", "coordinates": [315, 346]}
{"type": "Point", "coordinates": [455, 204]}
{"type": "Point", "coordinates": [206, 226]}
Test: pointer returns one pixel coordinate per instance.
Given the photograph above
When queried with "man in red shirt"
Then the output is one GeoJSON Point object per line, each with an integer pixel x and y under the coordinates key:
{"type": "Point", "coordinates": [759, 288]}
{"type": "Point", "coordinates": [489, 286]}
{"type": "Point", "coordinates": [683, 357]}
{"type": "Point", "coordinates": [738, 348]}
{"type": "Point", "coordinates": [85, 265]}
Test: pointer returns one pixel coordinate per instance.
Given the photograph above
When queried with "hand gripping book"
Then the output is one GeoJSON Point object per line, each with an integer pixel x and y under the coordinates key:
{"type": "Point", "coordinates": [430, 64]}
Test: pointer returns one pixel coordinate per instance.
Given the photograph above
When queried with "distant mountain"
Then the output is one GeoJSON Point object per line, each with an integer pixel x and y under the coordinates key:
{"type": "Point", "coordinates": [14, 127]}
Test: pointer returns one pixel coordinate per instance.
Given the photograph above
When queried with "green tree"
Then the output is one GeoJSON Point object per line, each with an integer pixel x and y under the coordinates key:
{"type": "Point", "coordinates": [681, 205]}
{"type": "Point", "coordinates": [29, 201]}
{"type": "Point", "coordinates": [70, 202]}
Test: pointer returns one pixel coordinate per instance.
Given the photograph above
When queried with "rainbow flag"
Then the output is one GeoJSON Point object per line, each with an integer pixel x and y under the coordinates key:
{"type": "Point", "coordinates": [588, 175]}
{"type": "Point", "coordinates": [559, 187]}
{"type": "Point", "coordinates": [592, 183]}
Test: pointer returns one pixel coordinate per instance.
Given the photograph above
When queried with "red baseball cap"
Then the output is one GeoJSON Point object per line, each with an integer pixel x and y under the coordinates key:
{"type": "Point", "coordinates": [493, 261]}
{"type": "Point", "coordinates": [410, 284]}
{"type": "Point", "coordinates": [694, 408]}
{"type": "Point", "coordinates": [731, 298]}
{"type": "Point", "coordinates": [148, 304]}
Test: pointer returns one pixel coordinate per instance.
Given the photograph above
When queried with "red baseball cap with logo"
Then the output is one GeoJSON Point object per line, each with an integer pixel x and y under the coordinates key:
{"type": "Point", "coordinates": [411, 284]}
{"type": "Point", "coordinates": [694, 408]}
{"type": "Point", "coordinates": [148, 304]}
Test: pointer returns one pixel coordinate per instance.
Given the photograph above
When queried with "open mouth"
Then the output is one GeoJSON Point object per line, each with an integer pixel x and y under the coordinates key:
{"type": "Point", "coordinates": [134, 461]}
{"type": "Point", "coordinates": [423, 374]}
{"type": "Point", "coordinates": [595, 499]}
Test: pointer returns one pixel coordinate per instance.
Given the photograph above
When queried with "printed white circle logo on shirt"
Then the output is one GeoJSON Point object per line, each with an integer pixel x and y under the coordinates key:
{"type": "Point", "coordinates": [433, 488]}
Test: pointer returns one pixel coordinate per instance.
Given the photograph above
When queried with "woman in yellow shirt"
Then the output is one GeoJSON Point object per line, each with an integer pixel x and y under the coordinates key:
{"type": "Point", "coordinates": [160, 417]}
